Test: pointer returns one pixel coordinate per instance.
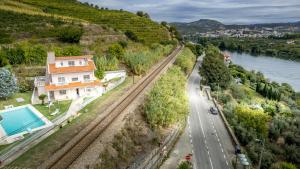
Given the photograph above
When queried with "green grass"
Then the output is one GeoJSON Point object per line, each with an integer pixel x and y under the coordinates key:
{"type": "Point", "coordinates": [36, 155]}
{"type": "Point", "coordinates": [63, 106]}
{"type": "Point", "coordinates": [12, 100]}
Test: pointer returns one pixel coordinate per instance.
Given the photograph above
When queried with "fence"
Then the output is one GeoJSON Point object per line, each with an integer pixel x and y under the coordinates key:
{"type": "Point", "coordinates": [156, 157]}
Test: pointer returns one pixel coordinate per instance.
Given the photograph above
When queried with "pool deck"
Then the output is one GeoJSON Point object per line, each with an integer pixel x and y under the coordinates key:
{"type": "Point", "coordinates": [2, 133]}
{"type": "Point", "coordinates": [5, 139]}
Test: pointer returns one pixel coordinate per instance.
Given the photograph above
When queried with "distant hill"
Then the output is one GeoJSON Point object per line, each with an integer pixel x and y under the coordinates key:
{"type": "Point", "coordinates": [202, 25]}
{"type": "Point", "coordinates": [208, 25]}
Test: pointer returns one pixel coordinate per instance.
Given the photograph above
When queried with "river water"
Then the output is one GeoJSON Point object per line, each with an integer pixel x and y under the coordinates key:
{"type": "Point", "coordinates": [275, 69]}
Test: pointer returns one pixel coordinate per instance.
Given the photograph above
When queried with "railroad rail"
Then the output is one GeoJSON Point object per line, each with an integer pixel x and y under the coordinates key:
{"type": "Point", "coordinates": [64, 157]}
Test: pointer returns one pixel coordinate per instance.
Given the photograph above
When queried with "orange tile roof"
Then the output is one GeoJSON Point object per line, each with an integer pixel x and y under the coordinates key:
{"type": "Point", "coordinates": [72, 69]}
{"type": "Point", "coordinates": [73, 85]}
{"type": "Point", "coordinates": [73, 57]}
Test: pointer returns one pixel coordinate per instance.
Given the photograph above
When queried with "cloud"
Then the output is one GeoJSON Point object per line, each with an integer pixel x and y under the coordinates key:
{"type": "Point", "coordinates": [227, 11]}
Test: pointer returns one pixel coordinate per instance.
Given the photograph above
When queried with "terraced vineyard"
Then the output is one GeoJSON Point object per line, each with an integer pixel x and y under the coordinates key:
{"type": "Point", "coordinates": [68, 10]}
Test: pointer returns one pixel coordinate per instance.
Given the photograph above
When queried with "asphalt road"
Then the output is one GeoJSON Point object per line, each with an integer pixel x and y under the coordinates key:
{"type": "Point", "coordinates": [211, 144]}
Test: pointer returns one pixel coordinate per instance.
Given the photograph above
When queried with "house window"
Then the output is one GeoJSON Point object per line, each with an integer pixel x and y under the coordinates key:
{"type": "Point", "coordinates": [62, 92]}
{"type": "Point", "coordinates": [86, 77]}
{"type": "Point", "coordinates": [74, 79]}
{"type": "Point", "coordinates": [80, 62]}
{"type": "Point", "coordinates": [61, 80]}
{"type": "Point", "coordinates": [61, 63]}
{"type": "Point", "coordinates": [88, 89]}
{"type": "Point", "coordinates": [71, 63]}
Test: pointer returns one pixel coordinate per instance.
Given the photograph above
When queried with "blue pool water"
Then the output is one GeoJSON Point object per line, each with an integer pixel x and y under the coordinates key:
{"type": "Point", "coordinates": [19, 120]}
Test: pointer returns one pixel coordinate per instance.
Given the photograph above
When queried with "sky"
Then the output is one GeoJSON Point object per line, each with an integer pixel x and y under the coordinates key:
{"type": "Point", "coordinates": [226, 11]}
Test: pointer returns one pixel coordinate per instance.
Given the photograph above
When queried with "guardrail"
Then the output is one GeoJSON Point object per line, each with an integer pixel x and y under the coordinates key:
{"type": "Point", "coordinates": [156, 157]}
{"type": "Point", "coordinates": [227, 125]}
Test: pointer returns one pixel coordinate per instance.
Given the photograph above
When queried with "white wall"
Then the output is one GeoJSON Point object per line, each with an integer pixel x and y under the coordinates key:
{"type": "Point", "coordinates": [83, 92]}
{"type": "Point", "coordinates": [69, 76]}
{"type": "Point", "coordinates": [66, 62]}
{"type": "Point", "coordinates": [113, 74]}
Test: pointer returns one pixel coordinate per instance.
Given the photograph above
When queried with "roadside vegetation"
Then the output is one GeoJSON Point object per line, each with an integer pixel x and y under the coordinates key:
{"type": "Point", "coordinates": [167, 103]}
{"type": "Point", "coordinates": [258, 109]}
{"type": "Point", "coordinates": [286, 47]}
{"type": "Point", "coordinates": [186, 60]}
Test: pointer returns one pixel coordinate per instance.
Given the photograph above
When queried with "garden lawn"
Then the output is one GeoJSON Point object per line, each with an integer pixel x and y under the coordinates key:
{"type": "Point", "coordinates": [63, 106]}
{"type": "Point", "coordinates": [12, 100]}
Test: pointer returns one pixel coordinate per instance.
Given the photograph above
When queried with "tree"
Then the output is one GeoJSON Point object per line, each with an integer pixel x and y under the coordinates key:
{"type": "Point", "coordinates": [131, 35]}
{"type": "Point", "coordinates": [99, 73]}
{"type": "Point", "coordinates": [164, 23]}
{"type": "Point", "coordinates": [70, 34]}
{"type": "Point", "coordinates": [3, 60]}
{"type": "Point", "coordinates": [214, 70]}
{"type": "Point", "coordinates": [142, 14]}
{"type": "Point", "coordinates": [116, 50]}
{"type": "Point", "coordinates": [8, 83]}
{"type": "Point", "coordinates": [42, 98]}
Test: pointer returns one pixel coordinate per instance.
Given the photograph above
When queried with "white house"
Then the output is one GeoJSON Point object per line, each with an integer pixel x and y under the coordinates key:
{"type": "Point", "coordinates": [68, 78]}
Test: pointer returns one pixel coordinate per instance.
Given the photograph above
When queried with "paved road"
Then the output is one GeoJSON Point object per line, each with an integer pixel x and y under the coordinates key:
{"type": "Point", "coordinates": [211, 144]}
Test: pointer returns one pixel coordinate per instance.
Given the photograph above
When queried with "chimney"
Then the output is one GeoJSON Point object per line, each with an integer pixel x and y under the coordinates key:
{"type": "Point", "coordinates": [50, 57]}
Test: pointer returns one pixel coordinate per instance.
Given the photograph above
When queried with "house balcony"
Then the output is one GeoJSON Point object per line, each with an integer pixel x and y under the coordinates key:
{"type": "Point", "coordinates": [40, 81]}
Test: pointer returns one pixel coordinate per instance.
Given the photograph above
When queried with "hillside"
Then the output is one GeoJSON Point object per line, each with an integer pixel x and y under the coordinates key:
{"type": "Point", "coordinates": [207, 25]}
{"type": "Point", "coordinates": [145, 29]}
{"type": "Point", "coordinates": [202, 25]}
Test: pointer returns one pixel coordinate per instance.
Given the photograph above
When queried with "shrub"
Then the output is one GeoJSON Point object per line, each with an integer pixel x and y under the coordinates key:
{"type": "Point", "coordinates": [167, 103]}
{"type": "Point", "coordinates": [237, 92]}
{"type": "Point", "coordinates": [139, 62]}
{"type": "Point", "coordinates": [116, 50]}
{"type": "Point", "coordinates": [132, 36]}
{"type": "Point", "coordinates": [123, 43]}
{"type": "Point", "coordinates": [186, 60]}
{"type": "Point", "coordinates": [253, 119]}
{"type": "Point", "coordinates": [70, 34]}
{"type": "Point", "coordinates": [42, 98]}
{"type": "Point", "coordinates": [8, 83]}
{"type": "Point", "coordinates": [25, 85]}
{"type": "Point", "coordinates": [184, 165]}
{"type": "Point", "coordinates": [283, 165]}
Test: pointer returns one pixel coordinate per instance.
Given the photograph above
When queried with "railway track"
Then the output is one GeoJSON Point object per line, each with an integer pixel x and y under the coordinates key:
{"type": "Point", "coordinates": [72, 150]}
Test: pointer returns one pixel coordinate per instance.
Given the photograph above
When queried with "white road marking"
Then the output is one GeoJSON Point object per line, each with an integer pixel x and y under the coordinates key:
{"type": "Point", "coordinates": [205, 140]}
{"type": "Point", "coordinates": [221, 146]}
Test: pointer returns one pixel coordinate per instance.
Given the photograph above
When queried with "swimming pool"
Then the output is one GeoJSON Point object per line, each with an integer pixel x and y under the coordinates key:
{"type": "Point", "coordinates": [21, 120]}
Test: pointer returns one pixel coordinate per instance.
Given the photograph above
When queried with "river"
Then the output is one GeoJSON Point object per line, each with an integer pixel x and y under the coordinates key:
{"type": "Point", "coordinates": [275, 69]}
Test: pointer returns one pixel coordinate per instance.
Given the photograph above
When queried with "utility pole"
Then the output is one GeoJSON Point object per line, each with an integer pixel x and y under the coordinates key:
{"type": "Point", "coordinates": [261, 152]}
{"type": "Point", "coordinates": [218, 92]}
